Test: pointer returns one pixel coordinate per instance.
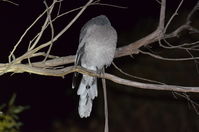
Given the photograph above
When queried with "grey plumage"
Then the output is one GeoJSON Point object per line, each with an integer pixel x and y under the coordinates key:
{"type": "Point", "coordinates": [97, 44]}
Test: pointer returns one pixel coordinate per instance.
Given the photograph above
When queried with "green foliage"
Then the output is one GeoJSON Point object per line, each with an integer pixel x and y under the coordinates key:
{"type": "Point", "coordinates": [9, 120]}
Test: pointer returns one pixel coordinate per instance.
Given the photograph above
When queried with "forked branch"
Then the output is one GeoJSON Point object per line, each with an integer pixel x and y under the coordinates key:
{"type": "Point", "coordinates": [49, 67]}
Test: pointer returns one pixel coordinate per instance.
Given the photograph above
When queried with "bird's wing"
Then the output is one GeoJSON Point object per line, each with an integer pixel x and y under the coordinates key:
{"type": "Point", "coordinates": [79, 55]}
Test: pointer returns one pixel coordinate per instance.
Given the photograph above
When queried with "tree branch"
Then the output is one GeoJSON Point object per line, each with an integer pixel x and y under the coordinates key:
{"type": "Point", "coordinates": [20, 68]}
{"type": "Point", "coordinates": [9, 1]}
{"type": "Point", "coordinates": [51, 65]}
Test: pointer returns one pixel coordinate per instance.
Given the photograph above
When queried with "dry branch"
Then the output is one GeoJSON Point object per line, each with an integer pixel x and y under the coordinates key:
{"type": "Point", "coordinates": [11, 2]}
{"type": "Point", "coordinates": [20, 68]}
{"type": "Point", "coordinates": [49, 67]}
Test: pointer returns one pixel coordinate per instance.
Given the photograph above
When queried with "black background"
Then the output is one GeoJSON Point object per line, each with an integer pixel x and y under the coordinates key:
{"type": "Point", "coordinates": [53, 104]}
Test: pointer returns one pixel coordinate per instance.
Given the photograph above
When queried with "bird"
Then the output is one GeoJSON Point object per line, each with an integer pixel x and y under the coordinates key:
{"type": "Point", "coordinates": [96, 50]}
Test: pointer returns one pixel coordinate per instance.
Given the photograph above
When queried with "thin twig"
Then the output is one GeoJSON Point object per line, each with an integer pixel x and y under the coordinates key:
{"type": "Point", "coordinates": [196, 7]}
{"type": "Point", "coordinates": [168, 59]}
{"type": "Point", "coordinates": [44, 26]}
{"type": "Point", "coordinates": [158, 1]}
{"type": "Point", "coordinates": [23, 35]}
{"type": "Point", "coordinates": [9, 1]}
{"type": "Point", "coordinates": [91, 4]}
{"type": "Point", "coordinates": [32, 51]}
{"type": "Point", "coordinates": [172, 17]}
{"type": "Point", "coordinates": [194, 59]}
{"type": "Point", "coordinates": [193, 103]}
{"type": "Point", "coordinates": [73, 20]}
{"type": "Point", "coordinates": [52, 32]}
{"type": "Point", "coordinates": [110, 5]}
{"type": "Point", "coordinates": [136, 77]}
{"type": "Point", "coordinates": [162, 16]}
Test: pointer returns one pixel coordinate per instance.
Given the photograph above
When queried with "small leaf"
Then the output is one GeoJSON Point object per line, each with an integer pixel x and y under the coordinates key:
{"type": "Point", "coordinates": [12, 100]}
{"type": "Point", "coordinates": [19, 109]}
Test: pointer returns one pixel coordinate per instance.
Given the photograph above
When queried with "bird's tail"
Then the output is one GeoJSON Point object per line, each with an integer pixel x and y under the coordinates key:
{"type": "Point", "coordinates": [87, 92]}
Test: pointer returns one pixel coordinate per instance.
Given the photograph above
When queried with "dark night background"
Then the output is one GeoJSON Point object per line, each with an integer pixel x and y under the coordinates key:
{"type": "Point", "coordinates": [53, 104]}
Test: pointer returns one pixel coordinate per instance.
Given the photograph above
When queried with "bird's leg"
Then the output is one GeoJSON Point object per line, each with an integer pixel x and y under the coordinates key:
{"type": "Point", "coordinates": [100, 71]}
